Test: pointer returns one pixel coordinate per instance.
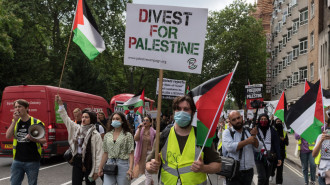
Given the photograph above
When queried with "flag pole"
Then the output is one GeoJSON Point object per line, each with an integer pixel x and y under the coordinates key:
{"type": "Point", "coordinates": [216, 114]}
{"type": "Point", "coordinates": [66, 55]}
{"type": "Point", "coordinates": [159, 107]}
{"type": "Point", "coordinates": [322, 100]}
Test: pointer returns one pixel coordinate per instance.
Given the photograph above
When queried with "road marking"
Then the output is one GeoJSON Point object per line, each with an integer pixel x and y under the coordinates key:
{"type": "Point", "coordinates": [69, 182]}
{"type": "Point", "coordinates": [139, 180]}
{"type": "Point", "coordinates": [39, 169]}
{"type": "Point", "coordinates": [255, 179]}
{"type": "Point", "coordinates": [293, 170]}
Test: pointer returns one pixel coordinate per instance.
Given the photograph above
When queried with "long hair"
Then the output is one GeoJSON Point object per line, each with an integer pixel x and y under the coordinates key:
{"type": "Point", "coordinates": [126, 127]}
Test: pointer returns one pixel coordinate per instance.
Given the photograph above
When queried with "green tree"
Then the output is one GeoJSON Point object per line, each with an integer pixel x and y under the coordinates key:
{"type": "Point", "coordinates": [234, 35]}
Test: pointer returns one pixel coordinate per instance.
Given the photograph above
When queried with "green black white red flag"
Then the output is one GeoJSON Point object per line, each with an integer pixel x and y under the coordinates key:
{"type": "Point", "coordinates": [209, 98]}
{"type": "Point", "coordinates": [137, 101]}
{"type": "Point", "coordinates": [86, 34]}
{"type": "Point", "coordinates": [281, 108]}
{"type": "Point", "coordinates": [306, 116]}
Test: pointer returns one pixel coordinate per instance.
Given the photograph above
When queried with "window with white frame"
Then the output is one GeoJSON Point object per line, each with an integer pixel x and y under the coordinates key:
{"type": "Point", "coordinates": [289, 33]}
{"type": "Point", "coordinates": [284, 40]}
{"type": "Point", "coordinates": [312, 40]}
{"type": "Point", "coordinates": [280, 67]}
{"type": "Point", "coordinates": [280, 24]}
{"type": "Point", "coordinates": [276, 70]}
{"type": "Point", "coordinates": [295, 26]}
{"type": "Point", "coordinates": [289, 81]}
{"type": "Point", "coordinates": [285, 62]}
{"type": "Point", "coordinates": [280, 46]}
{"type": "Point", "coordinates": [303, 17]}
{"type": "Point", "coordinates": [276, 51]}
{"type": "Point", "coordinates": [312, 9]}
{"type": "Point", "coordinates": [303, 46]}
{"type": "Point", "coordinates": [311, 69]}
{"type": "Point", "coordinates": [285, 84]}
{"type": "Point", "coordinates": [303, 74]}
{"type": "Point", "coordinates": [293, 2]}
{"type": "Point", "coordinates": [273, 54]}
{"type": "Point", "coordinates": [290, 57]}
{"type": "Point", "coordinates": [295, 78]}
{"type": "Point", "coordinates": [295, 52]}
{"type": "Point", "coordinates": [273, 74]}
{"type": "Point", "coordinates": [289, 9]}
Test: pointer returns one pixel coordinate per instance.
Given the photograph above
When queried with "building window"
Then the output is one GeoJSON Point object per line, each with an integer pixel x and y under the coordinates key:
{"type": "Point", "coordinates": [290, 57]}
{"type": "Point", "coordinates": [285, 40]}
{"type": "Point", "coordinates": [280, 46]}
{"type": "Point", "coordinates": [303, 17]}
{"type": "Point", "coordinates": [303, 46]}
{"type": "Point", "coordinates": [276, 67]}
{"type": "Point", "coordinates": [289, 81]}
{"type": "Point", "coordinates": [285, 62]}
{"type": "Point", "coordinates": [273, 73]}
{"type": "Point", "coordinates": [295, 78]}
{"type": "Point", "coordinates": [295, 26]}
{"type": "Point", "coordinates": [312, 40]}
{"type": "Point", "coordinates": [289, 33]}
{"type": "Point", "coordinates": [295, 52]}
{"type": "Point", "coordinates": [312, 9]}
{"type": "Point", "coordinates": [293, 2]}
{"type": "Point", "coordinates": [303, 74]}
{"type": "Point", "coordinates": [280, 67]}
{"type": "Point", "coordinates": [276, 51]}
{"type": "Point", "coordinates": [273, 91]}
{"type": "Point", "coordinates": [280, 24]}
{"type": "Point", "coordinates": [311, 69]}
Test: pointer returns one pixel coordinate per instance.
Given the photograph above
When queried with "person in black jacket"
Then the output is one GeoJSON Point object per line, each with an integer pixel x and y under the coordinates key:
{"type": "Point", "coordinates": [284, 141]}
{"type": "Point", "coordinates": [270, 152]}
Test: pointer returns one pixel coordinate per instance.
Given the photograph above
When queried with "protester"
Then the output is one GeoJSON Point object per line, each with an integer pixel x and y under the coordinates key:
{"type": "Point", "coordinates": [118, 146]}
{"type": "Point", "coordinates": [306, 158]}
{"type": "Point", "coordinates": [144, 138]}
{"type": "Point", "coordinates": [178, 150]}
{"type": "Point", "coordinates": [77, 115]}
{"type": "Point", "coordinates": [163, 123]}
{"type": "Point", "coordinates": [238, 140]}
{"type": "Point", "coordinates": [133, 119]}
{"type": "Point", "coordinates": [323, 145]}
{"type": "Point", "coordinates": [270, 151]}
{"type": "Point", "coordinates": [102, 119]}
{"type": "Point", "coordinates": [221, 128]}
{"type": "Point", "coordinates": [26, 149]}
{"type": "Point", "coordinates": [99, 125]}
{"type": "Point", "coordinates": [284, 141]}
{"type": "Point", "coordinates": [85, 143]}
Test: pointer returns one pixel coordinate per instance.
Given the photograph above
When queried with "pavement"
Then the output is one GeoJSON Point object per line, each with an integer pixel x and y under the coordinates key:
{"type": "Point", "coordinates": [290, 150]}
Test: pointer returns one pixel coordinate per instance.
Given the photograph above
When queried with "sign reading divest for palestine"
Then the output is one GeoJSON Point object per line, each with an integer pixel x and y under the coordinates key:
{"type": "Point", "coordinates": [165, 37]}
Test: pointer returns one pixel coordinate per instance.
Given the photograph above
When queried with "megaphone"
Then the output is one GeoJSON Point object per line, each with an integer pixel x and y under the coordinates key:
{"type": "Point", "coordinates": [36, 131]}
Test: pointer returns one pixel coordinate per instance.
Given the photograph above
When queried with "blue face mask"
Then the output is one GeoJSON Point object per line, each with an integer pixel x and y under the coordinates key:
{"type": "Point", "coordinates": [131, 111]}
{"type": "Point", "coordinates": [182, 118]}
{"type": "Point", "coordinates": [116, 123]}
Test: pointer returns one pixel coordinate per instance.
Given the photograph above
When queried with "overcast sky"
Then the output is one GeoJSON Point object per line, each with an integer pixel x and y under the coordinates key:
{"type": "Point", "coordinates": [210, 4]}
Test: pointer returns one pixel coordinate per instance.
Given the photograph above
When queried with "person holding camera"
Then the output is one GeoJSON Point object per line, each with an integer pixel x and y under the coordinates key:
{"type": "Point", "coordinates": [85, 143]}
{"type": "Point", "coordinates": [323, 145]}
{"type": "Point", "coordinates": [26, 149]}
{"type": "Point", "coordinates": [236, 140]}
{"type": "Point", "coordinates": [270, 152]}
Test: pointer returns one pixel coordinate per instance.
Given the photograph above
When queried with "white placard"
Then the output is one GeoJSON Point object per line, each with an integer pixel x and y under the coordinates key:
{"type": "Point", "coordinates": [165, 37]}
{"type": "Point", "coordinates": [172, 87]}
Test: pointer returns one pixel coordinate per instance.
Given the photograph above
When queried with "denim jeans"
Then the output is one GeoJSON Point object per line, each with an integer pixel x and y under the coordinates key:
{"type": "Point", "coordinates": [18, 169]}
{"type": "Point", "coordinates": [307, 158]}
{"type": "Point", "coordinates": [244, 178]}
{"type": "Point", "coordinates": [321, 180]}
{"type": "Point", "coordinates": [121, 178]}
{"type": "Point", "coordinates": [264, 170]}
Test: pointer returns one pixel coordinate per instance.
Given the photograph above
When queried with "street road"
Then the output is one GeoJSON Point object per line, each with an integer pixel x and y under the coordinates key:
{"type": "Point", "coordinates": [57, 172]}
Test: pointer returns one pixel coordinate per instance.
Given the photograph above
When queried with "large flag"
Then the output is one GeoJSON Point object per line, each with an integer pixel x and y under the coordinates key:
{"type": "Point", "coordinates": [136, 101]}
{"type": "Point", "coordinates": [326, 94]}
{"type": "Point", "coordinates": [208, 97]}
{"type": "Point", "coordinates": [300, 116]}
{"type": "Point", "coordinates": [281, 108]}
{"type": "Point", "coordinates": [86, 33]}
{"type": "Point", "coordinates": [307, 86]}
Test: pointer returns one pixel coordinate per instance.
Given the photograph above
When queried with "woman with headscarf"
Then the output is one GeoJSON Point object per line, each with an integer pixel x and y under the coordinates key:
{"type": "Point", "coordinates": [284, 141]}
{"type": "Point", "coordinates": [118, 146]}
{"type": "Point", "coordinates": [270, 146]}
{"type": "Point", "coordinates": [144, 138]}
{"type": "Point", "coordinates": [85, 143]}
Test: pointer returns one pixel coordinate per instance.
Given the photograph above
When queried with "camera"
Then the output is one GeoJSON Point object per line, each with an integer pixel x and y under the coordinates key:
{"type": "Point", "coordinates": [257, 104]}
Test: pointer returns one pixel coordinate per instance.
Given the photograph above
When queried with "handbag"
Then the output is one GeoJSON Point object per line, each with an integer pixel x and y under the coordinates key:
{"type": "Point", "coordinates": [68, 156]}
{"type": "Point", "coordinates": [230, 166]}
{"type": "Point", "coordinates": [110, 169]}
{"type": "Point", "coordinates": [270, 156]}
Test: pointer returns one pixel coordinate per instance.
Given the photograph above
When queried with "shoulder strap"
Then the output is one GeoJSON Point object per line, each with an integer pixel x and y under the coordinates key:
{"type": "Point", "coordinates": [241, 150]}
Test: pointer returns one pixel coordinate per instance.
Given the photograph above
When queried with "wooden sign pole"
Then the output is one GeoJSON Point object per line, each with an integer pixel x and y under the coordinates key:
{"type": "Point", "coordinates": [159, 107]}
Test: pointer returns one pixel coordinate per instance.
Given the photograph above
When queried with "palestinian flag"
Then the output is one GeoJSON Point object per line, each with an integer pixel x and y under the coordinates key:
{"type": "Point", "coordinates": [307, 86]}
{"type": "Point", "coordinates": [187, 91]}
{"type": "Point", "coordinates": [326, 95]}
{"type": "Point", "coordinates": [86, 33]}
{"type": "Point", "coordinates": [137, 101]}
{"type": "Point", "coordinates": [300, 116]}
{"type": "Point", "coordinates": [281, 108]}
{"type": "Point", "coordinates": [209, 98]}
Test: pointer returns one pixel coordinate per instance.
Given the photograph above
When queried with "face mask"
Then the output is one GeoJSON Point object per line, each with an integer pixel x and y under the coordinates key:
{"type": "Point", "coordinates": [182, 118]}
{"type": "Point", "coordinates": [263, 123]}
{"type": "Point", "coordinates": [131, 111]}
{"type": "Point", "coordinates": [116, 123]}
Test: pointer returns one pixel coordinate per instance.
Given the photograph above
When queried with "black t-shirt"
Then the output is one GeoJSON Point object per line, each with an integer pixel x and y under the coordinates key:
{"type": "Point", "coordinates": [26, 150]}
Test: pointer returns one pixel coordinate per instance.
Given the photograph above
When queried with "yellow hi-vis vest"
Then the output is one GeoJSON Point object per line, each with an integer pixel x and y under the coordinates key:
{"type": "Point", "coordinates": [15, 136]}
{"type": "Point", "coordinates": [220, 144]}
{"type": "Point", "coordinates": [310, 145]}
{"type": "Point", "coordinates": [176, 165]}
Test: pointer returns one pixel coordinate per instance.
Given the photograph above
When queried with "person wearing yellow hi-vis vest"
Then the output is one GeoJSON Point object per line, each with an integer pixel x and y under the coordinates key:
{"type": "Point", "coordinates": [306, 158]}
{"type": "Point", "coordinates": [284, 141]}
{"type": "Point", "coordinates": [178, 150]}
{"type": "Point", "coordinates": [26, 149]}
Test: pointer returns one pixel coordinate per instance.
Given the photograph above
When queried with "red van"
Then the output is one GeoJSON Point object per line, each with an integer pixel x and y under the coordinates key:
{"type": "Point", "coordinates": [116, 102]}
{"type": "Point", "coordinates": [42, 106]}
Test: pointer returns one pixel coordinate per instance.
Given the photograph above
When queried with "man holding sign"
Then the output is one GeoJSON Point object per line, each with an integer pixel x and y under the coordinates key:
{"type": "Point", "coordinates": [178, 150]}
